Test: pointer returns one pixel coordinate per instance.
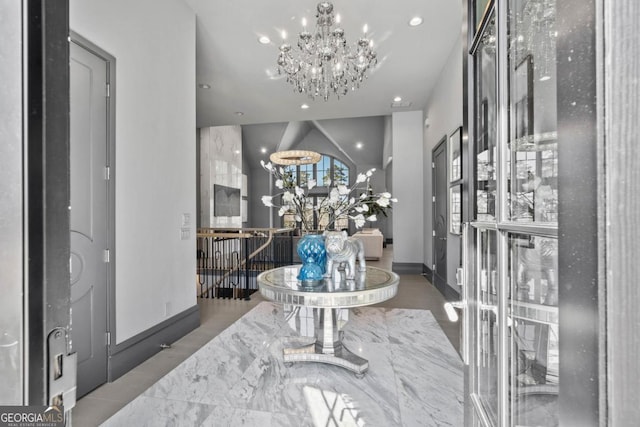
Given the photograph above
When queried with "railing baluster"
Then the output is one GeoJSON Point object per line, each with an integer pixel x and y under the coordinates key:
{"type": "Point", "coordinates": [246, 269]}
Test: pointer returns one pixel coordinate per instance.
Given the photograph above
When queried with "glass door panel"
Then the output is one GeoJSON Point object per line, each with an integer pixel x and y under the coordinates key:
{"type": "Point", "coordinates": [533, 157]}
{"type": "Point", "coordinates": [487, 325]}
{"type": "Point", "coordinates": [485, 124]}
{"type": "Point", "coordinates": [533, 316]}
{"type": "Point", "coordinates": [479, 9]}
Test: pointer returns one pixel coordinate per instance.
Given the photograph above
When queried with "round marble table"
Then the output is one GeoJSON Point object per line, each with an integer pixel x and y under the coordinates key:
{"type": "Point", "coordinates": [369, 287]}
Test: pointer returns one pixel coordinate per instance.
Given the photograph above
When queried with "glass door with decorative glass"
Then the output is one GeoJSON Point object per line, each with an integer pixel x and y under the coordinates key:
{"type": "Point", "coordinates": [513, 374]}
{"type": "Point", "coordinates": [531, 199]}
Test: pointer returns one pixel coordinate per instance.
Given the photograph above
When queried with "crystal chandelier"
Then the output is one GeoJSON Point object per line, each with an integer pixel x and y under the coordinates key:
{"type": "Point", "coordinates": [323, 62]}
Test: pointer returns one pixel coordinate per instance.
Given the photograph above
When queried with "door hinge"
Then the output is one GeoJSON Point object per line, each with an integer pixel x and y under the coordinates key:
{"type": "Point", "coordinates": [107, 173]}
{"type": "Point", "coordinates": [433, 198]}
{"type": "Point", "coordinates": [433, 233]}
{"type": "Point", "coordinates": [107, 255]}
{"type": "Point", "coordinates": [433, 165]}
{"type": "Point", "coordinates": [433, 267]}
{"type": "Point", "coordinates": [62, 372]}
{"type": "Point", "coordinates": [108, 90]}
{"type": "Point", "coordinates": [108, 338]}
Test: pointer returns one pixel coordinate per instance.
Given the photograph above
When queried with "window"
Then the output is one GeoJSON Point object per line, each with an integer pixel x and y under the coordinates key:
{"type": "Point", "coordinates": [328, 172]}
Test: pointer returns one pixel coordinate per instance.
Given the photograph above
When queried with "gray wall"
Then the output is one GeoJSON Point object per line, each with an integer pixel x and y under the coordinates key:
{"type": "Point", "coordinates": [259, 183]}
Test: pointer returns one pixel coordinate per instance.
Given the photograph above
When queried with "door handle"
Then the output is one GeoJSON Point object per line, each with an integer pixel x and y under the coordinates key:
{"type": "Point", "coordinates": [450, 309]}
{"type": "Point", "coordinates": [451, 306]}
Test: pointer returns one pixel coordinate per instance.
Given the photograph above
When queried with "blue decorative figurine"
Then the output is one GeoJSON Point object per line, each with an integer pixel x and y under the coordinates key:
{"type": "Point", "coordinates": [312, 252]}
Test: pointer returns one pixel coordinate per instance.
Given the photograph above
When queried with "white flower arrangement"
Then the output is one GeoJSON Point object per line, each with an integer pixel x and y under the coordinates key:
{"type": "Point", "coordinates": [360, 209]}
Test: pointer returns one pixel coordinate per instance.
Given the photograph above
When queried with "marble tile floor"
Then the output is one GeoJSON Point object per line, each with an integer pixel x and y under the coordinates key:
{"type": "Point", "coordinates": [239, 377]}
{"type": "Point", "coordinates": [216, 316]}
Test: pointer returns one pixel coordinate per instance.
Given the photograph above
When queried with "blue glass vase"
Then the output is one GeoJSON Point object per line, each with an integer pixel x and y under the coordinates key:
{"type": "Point", "coordinates": [313, 254]}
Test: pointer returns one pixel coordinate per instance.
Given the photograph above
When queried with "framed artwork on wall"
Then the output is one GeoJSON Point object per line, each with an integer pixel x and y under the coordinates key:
{"type": "Point", "coordinates": [455, 209]}
{"type": "Point", "coordinates": [455, 155]}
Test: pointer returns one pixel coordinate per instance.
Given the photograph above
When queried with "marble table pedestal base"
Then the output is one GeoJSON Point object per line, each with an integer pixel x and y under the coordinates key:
{"type": "Point", "coordinates": [328, 347]}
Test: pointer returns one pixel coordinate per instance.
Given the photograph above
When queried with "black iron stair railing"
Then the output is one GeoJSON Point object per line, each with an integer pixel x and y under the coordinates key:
{"type": "Point", "coordinates": [229, 260]}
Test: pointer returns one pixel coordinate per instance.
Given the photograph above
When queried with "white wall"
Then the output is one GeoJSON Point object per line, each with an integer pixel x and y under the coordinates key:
{"type": "Point", "coordinates": [444, 112]}
{"type": "Point", "coordinates": [153, 42]}
{"type": "Point", "coordinates": [407, 173]}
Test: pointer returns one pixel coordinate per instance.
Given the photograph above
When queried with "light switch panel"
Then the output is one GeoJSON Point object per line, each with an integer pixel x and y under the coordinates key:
{"type": "Point", "coordinates": [186, 219]}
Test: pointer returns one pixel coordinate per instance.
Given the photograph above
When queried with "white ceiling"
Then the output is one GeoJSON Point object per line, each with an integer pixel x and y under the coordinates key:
{"type": "Point", "coordinates": [243, 73]}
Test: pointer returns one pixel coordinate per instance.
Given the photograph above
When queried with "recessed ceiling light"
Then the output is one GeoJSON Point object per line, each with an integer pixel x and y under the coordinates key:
{"type": "Point", "coordinates": [263, 150]}
{"type": "Point", "coordinates": [359, 145]}
{"type": "Point", "coordinates": [237, 151]}
{"type": "Point", "coordinates": [397, 99]}
{"type": "Point", "coordinates": [415, 21]}
{"type": "Point", "coordinates": [264, 40]}
{"type": "Point", "coordinates": [239, 113]}
{"type": "Point", "coordinates": [304, 106]}
{"type": "Point", "coordinates": [204, 86]}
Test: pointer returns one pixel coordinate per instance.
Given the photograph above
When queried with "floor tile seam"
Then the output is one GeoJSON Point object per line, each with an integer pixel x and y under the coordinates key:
{"type": "Point", "coordinates": [220, 400]}
{"type": "Point", "coordinates": [394, 368]}
{"type": "Point", "coordinates": [187, 401]}
{"type": "Point", "coordinates": [403, 407]}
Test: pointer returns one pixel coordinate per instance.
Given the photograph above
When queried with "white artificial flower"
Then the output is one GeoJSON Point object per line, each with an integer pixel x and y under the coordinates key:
{"type": "Point", "coordinates": [343, 190]}
{"type": "Point", "coordinates": [340, 200]}
{"type": "Point", "coordinates": [383, 201]}
{"type": "Point", "coordinates": [394, 200]}
{"type": "Point", "coordinates": [287, 197]}
{"type": "Point", "coordinates": [334, 196]}
{"type": "Point", "coordinates": [359, 220]}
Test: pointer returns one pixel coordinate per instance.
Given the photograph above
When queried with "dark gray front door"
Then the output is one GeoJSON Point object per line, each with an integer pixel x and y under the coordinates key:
{"type": "Point", "coordinates": [89, 254]}
{"type": "Point", "coordinates": [440, 186]}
